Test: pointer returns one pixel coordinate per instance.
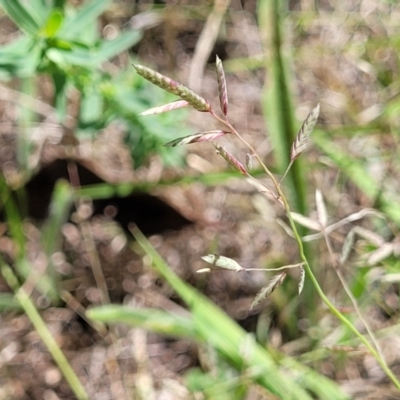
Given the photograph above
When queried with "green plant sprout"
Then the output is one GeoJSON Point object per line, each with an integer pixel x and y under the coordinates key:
{"type": "Point", "coordinates": [275, 192]}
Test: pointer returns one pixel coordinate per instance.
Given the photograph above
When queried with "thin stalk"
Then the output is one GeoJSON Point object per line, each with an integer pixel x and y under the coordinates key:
{"type": "Point", "coordinates": [28, 306]}
{"type": "Point", "coordinates": [306, 264]}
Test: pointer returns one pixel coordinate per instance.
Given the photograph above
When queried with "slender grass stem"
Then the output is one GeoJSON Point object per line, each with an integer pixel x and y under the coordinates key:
{"type": "Point", "coordinates": [28, 306]}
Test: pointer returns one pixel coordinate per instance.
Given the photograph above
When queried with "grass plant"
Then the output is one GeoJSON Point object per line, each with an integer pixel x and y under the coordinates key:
{"type": "Point", "coordinates": [273, 193]}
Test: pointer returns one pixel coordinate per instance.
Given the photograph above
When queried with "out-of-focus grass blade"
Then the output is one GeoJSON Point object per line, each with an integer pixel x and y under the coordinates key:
{"type": "Point", "coordinates": [244, 64]}
{"type": "Point", "coordinates": [20, 58]}
{"type": "Point", "coordinates": [111, 48]}
{"type": "Point", "coordinates": [8, 303]}
{"type": "Point", "coordinates": [13, 217]}
{"type": "Point", "coordinates": [60, 205]}
{"type": "Point", "coordinates": [91, 109]}
{"type": "Point", "coordinates": [59, 209]}
{"type": "Point", "coordinates": [277, 104]}
{"type": "Point", "coordinates": [60, 94]}
{"type": "Point", "coordinates": [85, 58]}
{"type": "Point", "coordinates": [159, 321]}
{"type": "Point", "coordinates": [20, 15]}
{"type": "Point", "coordinates": [358, 175]}
{"type": "Point", "coordinates": [85, 15]}
{"type": "Point", "coordinates": [214, 327]}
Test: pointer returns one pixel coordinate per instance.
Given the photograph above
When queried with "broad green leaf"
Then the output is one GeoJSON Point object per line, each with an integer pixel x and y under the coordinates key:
{"type": "Point", "coordinates": [91, 109]}
{"type": "Point", "coordinates": [53, 24]}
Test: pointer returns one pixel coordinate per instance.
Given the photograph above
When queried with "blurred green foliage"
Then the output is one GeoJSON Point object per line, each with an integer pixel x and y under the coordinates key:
{"type": "Point", "coordinates": [64, 43]}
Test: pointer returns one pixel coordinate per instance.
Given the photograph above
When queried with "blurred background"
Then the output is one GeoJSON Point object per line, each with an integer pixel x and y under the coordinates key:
{"type": "Point", "coordinates": [79, 166]}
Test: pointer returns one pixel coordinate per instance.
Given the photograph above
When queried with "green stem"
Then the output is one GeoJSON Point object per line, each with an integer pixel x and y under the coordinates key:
{"type": "Point", "coordinates": [28, 306]}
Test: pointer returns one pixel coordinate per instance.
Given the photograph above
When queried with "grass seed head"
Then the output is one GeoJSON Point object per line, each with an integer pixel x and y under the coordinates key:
{"type": "Point", "coordinates": [174, 87]}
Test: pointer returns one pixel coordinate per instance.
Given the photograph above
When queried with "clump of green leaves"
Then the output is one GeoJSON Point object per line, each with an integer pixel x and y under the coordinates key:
{"type": "Point", "coordinates": [64, 43]}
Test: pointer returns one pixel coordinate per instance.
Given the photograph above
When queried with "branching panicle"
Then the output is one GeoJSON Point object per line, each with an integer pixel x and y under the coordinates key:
{"type": "Point", "coordinates": [298, 147]}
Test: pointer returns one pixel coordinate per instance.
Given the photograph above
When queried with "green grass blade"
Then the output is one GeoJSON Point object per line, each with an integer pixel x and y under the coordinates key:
{"type": "Point", "coordinates": [111, 48]}
{"type": "Point", "coordinates": [46, 336]}
{"type": "Point", "coordinates": [277, 104]}
{"type": "Point", "coordinates": [8, 303]}
{"type": "Point", "coordinates": [59, 210]}
{"type": "Point", "coordinates": [86, 15]}
{"type": "Point", "coordinates": [13, 217]}
{"type": "Point", "coordinates": [20, 15]}
{"type": "Point", "coordinates": [159, 321]}
{"type": "Point", "coordinates": [214, 327]}
{"type": "Point", "coordinates": [355, 170]}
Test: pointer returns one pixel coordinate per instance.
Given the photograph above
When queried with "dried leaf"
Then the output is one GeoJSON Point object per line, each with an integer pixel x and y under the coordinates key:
{"type": "Point", "coordinates": [174, 87]}
{"type": "Point", "coordinates": [347, 246]}
{"type": "Point", "coordinates": [203, 270]}
{"type": "Point", "coordinates": [230, 159]}
{"type": "Point", "coordinates": [223, 94]}
{"type": "Point", "coordinates": [302, 277]}
{"type": "Point", "coordinates": [301, 141]}
{"type": "Point", "coordinates": [249, 161]}
{"type": "Point", "coordinates": [206, 136]}
{"type": "Point", "coordinates": [273, 283]}
{"type": "Point", "coordinates": [380, 254]}
{"type": "Point", "coordinates": [166, 107]}
{"type": "Point", "coordinates": [321, 208]}
{"type": "Point", "coordinates": [222, 262]}
{"type": "Point", "coordinates": [306, 222]}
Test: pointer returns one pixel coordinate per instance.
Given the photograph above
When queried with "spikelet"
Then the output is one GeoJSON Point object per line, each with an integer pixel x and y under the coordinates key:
{"type": "Point", "coordinates": [301, 141]}
{"type": "Point", "coordinates": [223, 93]}
{"type": "Point", "coordinates": [206, 136]}
{"type": "Point", "coordinates": [173, 87]}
